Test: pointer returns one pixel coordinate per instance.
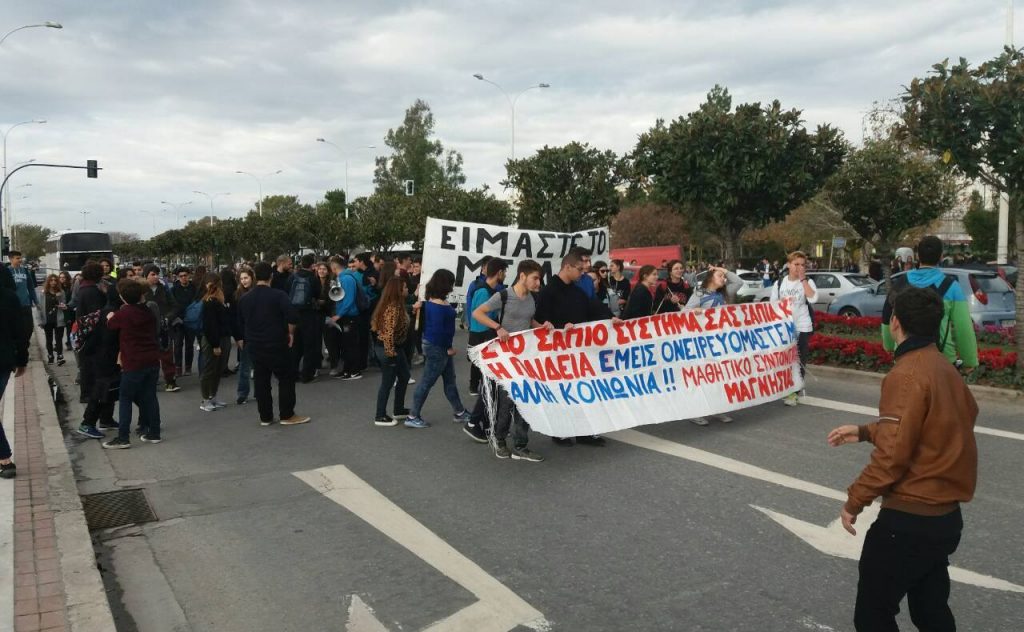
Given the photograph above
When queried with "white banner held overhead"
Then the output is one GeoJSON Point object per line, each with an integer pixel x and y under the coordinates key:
{"type": "Point", "coordinates": [601, 377]}
{"type": "Point", "coordinates": [460, 247]}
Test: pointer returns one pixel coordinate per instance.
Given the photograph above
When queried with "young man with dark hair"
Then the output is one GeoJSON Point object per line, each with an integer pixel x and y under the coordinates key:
{"type": "Point", "coordinates": [307, 351]}
{"type": "Point", "coordinates": [136, 326]}
{"type": "Point", "coordinates": [955, 337]}
{"type": "Point", "coordinates": [13, 357]}
{"type": "Point", "coordinates": [925, 463]}
{"type": "Point", "coordinates": [370, 278]}
{"type": "Point", "coordinates": [282, 273]}
{"type": "Point", "coordinates": [478, 332]}
{"type": "Point", "coordinates": [267, 323]}
{"type": "Point", "coordinates": [25, 288]}
{"type": "Point", "coordinates": [161, 299]}
{"type": "Point", "coordinates": [184, 293]}
{"type": "Point", "coordinates": [475, 285]}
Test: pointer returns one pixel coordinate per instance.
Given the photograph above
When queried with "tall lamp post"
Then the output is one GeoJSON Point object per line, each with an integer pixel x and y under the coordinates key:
{"type": "Point", "coordinates": [84, 213]}
{"type": "Point", "coordinates": [1003, 219]}
{"type": "Point", "coordinates": [177, 209]}
{"type": "Point", "coordinates": [48, 24]}
{"type": "Point", "coordinates": [512, 103]}
{"type": "Point", "coordinates": [210, 197]}
{"type": "Point", "coordinates": [7, 204]}
{"type": "Point", "coordinates": [259, 186]}
{"type": "Point", "coordinates": [153, 215]}
{"type": "Point", "coordinates": [345, 157]}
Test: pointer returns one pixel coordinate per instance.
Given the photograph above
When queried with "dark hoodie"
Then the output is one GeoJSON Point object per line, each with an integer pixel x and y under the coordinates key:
{"type": "Point", "coordinates": [13, 341]}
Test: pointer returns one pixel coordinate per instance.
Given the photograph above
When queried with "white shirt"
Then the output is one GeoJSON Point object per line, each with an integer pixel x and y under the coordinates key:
{"type": "Point", "coordinates": [794, 291]}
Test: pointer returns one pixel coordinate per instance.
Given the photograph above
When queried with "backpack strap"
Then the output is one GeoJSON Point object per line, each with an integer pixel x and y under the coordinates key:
{"type": "Point", "coordinates": [504, 300]}
{"type": "Point", "coordinates": [942, 288]}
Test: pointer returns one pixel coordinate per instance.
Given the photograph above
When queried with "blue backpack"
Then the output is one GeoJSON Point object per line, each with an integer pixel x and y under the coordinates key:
{"type": "Point", "coordinates": [193, 320]}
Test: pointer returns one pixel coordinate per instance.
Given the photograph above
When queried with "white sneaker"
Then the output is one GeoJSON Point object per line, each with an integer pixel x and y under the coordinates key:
{"type": "Point", "coordinates": [725, 419]}
{"type": "Point", "coordinates": [412, 380]}
{"type": "Point", "coordinates": [791, 400]}
{"type": "Point", "coordinates": [700, 421]}
{"type": "Point", "coordinates": [217, 403]}
{"type": "Point", "coordinates": [207, 406]}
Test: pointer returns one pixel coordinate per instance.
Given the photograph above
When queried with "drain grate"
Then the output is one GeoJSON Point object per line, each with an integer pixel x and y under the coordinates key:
{"type": "Point", "coordinates": [115, 509]}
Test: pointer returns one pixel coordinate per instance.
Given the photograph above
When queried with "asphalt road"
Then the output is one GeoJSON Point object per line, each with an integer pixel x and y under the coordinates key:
{"type": "Point", "coordinates": [657, 531]}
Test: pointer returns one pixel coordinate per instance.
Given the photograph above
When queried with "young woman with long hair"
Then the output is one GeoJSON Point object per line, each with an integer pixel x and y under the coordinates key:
{"type": "Point", "coordinates": [675, 286]}
{"type": "Point", "coordinates": [718, 288]}
{"type": "Point", "coordinates": [55, 301]}
{"type": "Point", "coordinates": [216, 341]}
{"type": "Point", "coordinates": [245, 283]}
{"type": "Point", "coordinates": [67, 284]}
{"type": "Point", "coordinates": [438, 334]}
{"type": "Point", "coordinates": [648, 297]}
{"type": "Point", "coordinates": [618, 285]}
{"type": "Point", "coordinates": [390, 324]}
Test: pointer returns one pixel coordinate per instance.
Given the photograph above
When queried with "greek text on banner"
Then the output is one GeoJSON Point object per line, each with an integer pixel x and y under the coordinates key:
{"type": "Point", "coordinates": [601, 377]}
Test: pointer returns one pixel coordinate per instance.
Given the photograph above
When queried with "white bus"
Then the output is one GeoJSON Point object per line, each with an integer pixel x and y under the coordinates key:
{"type": "Point", "coordinates": [70, 250]}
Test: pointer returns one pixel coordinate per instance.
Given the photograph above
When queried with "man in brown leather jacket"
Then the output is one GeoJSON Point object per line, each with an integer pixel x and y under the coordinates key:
{"type": "Point", "coordinates": [925, 463]}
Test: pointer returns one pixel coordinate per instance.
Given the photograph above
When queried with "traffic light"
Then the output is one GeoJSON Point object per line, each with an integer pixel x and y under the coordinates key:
{"type": "Point", "coordinates": [91, 168]}
{"type": "Point", "coordinates": [410, 187]}
{"type": "Point", "coordinates": [5, 246]}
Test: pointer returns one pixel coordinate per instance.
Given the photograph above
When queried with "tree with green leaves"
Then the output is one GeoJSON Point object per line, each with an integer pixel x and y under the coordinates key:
{"type": "Point", "coordinates": [30, 239]}
{"type": "Point", "coordinates": [567, 188]}
{"type": "Point", "coordinates": [982, 224]}
{"type": "Point", "coordinates": [416, 156]}
{"type": "Point", "coordinates": [737, 168]}
{"type": "Point", "coordinates": [971, 116]}
{"type": "Point", "coordinates": [884, 189]}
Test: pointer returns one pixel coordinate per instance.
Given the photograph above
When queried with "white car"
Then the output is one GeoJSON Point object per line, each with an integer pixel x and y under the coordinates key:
{"type": "Point", "coordinates": [753, 289]}
{"type": "Point", "coordinates": [832, 284]}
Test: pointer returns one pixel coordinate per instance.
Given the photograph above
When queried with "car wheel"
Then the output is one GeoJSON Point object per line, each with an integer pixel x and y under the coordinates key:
{"type": "Point", "coordinates": [849, 312]}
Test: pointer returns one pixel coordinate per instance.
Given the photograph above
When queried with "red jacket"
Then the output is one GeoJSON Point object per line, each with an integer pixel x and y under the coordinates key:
{"type": "Point", "coordinates": [138, 336]}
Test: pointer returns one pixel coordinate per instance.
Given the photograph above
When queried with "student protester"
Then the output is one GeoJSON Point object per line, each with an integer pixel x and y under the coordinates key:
{"type": "Point", "coordinates": [229, 285]}
{"type": "Point", "coordinates": [13, 356]}
{"type": "Point", "coordinates": [282, 273]}
{"type": "Point", "coordinates": [304, 293]}
{"type": "Point", "coordinates": [390, 324]}
{"type": "Point", "coordinates": [648, 297]}
{"type": "Point", "coordinates": [268, 325]}
{"type": "Point", "coordinates": [924, 464]}
{"type": "Point", "coordinates": [438, 337]}
{"type": "Point", "coordinates": [599, 272]}
{"type": "Point", "coordinates": [245, 283]}
{"type": "Point", "coordinates": [369, 277]}
{"type": "Point", "coordinates": [184, 293]}
{"type": "Point", "coordinates": [675, 286]}
{"type": "Point", "coordinates": [346, 319]}
{"type": "Point", "coordinates": [100, 375]}
{"type": "Point", "coordinates": [136, 327]}
{"type": "Point", "coordinates": [415, 278]}
{"type": "Point", "coordinates": [474, 285]}
{"type": "Point", "coordinates": [956, 337]}
{"type": "Point", "coordinates": [802, 295]}
{"type": "Point", "coordinates": [55, 301]}
{"type": "Point", "coordinates": [564, 305]}
{"type": "Point", "coordinates": [215, 343]}
{"type": "Point", "coordinates": [161, 298]}
{"type": "Point", "coordinates": [332, 334]}
{"type": "Point", "coordinates": [619, 284]}
{"type": "Point", "coordinates": [66, 284]}
{"type": "Point", "coordinates": [25, 283]}
{"type": "Point", "coordinates": [505, 313]}
{"type": "Point", "coordinates": [478, 332]}
{"type": "Point", "coordinates": [585, 282]}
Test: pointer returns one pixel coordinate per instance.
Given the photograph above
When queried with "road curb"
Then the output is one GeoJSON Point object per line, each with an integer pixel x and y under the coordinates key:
{"type": "Point", "coordinates": [88, 609]}
{"type": "Point", "coordinates": [984, 392]}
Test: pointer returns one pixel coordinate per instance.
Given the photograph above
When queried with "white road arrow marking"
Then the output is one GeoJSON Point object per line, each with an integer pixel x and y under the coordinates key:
{"type": "Point", "coordinates": [498, 609]}
{"type": "Point", "coordinates": [832, 540]}
{"type": "Point", "coordinates": [361, 617]}
{"type": "Point", "coordinates": [873, 412]}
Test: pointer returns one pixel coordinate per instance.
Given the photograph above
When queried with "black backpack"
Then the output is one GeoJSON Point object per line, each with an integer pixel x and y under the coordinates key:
{"type": "Point", "coordinates": [300, 291]}
{"type": "Point", "coordinates": [901, 283]}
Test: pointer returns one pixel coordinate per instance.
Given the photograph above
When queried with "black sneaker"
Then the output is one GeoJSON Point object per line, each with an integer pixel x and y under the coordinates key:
{"type": "Point", "coordinates": [475, 432]}
{"type": "Point", "coordinates": [110, 424]}
{"type": "Point", "coordinates": [146, 438]}
{"type": "Point", "coordinates": [356, 375]}
{"type": "Point", "coordinates": [117, 444]}
{"type": "Point", "coordinates": [501, 450]}
{"type": "Point", "coordinates": [171, 387]}
{"type": "Point", "coordinates": [591, 440]}
{"type": "Point", "coordinates": [309, 380]}
{"type": "Point", "coordinates": [565, 442]}
{"type": "Point", "coordinates": [385, 421]}
{"type": "Point", "coordinates": [8, 470]}
{"type": "Point", "coordinates": [49, 359]}
{"type": "Point", "coordinates": [60, 360]}
{"type": "Point", "coordinates": [401, 414]}
{"type": "Point", "coordinates": [266, 422]}
{"type": "Point", "coordinates": [241, 400]}
{"type": "Point", "coordinates": [524, 454]}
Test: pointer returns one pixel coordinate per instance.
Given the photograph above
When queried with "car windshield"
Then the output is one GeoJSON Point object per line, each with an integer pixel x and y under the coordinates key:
{"type": "Point", "coordinates": [991, 284]}
{"type": "Point", "coordinates": [860, 280]}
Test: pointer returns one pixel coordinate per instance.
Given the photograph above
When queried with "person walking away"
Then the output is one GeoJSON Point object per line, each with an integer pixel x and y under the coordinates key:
{"type": "Point", "coordinates": [765, 270]}
{"type": "Point", "coordinates": [346, 318]}
{"type": "Point", "coordinates": [390, 323]}
{"type": "Point", "coordinates": [332, 334]}
{"type": "Point", "coordinates": [478, 332]}
{"type": "Point", "coordinates": [802, 295]}
{"type": "Point", "coordinates": [438, 335]}
{"type": "Point", "coordinates": [25, 284]}
{"type": "Point", "coordinates": [245, 283]}
{"type": "Point", "coordinates": [66, 284]}
{"type": "Point", "coordinates": [137, 328]}
{"type": "Point", "coordinates": [215, 342]}
{"type": "Point", "coordinates": [619, 284]}
{"type": "Point", "coordinates": [13, 357]}
{"type": "Point", "coordinates": [515, 309]}
{"type": "Point", "coordinates": [184, 294]}
{"type": "Point", "coordinates": [718, 288]}
{"type": "Point", "coordinates": [97, 356]}
{"type": "Point", "coordinates": [282, 273]}
{"type": "Point", "coordinates": [924, 464]}
{"type": "Point", "coordinates": [55, 301]}
{"type": "Point", "coordinates": [649, 296]}
{"type": "Point", "coordinates": [565, 305]}
{"type": "Point", "coordinates": [304, 292]}
{"type": "Point", "coordinates": [229, 286]}
{"type": "Point", "coordinates": [956, 337]}
{"type": "Point", "coordinates": [267, 321]}
{"type": "Point", "coordinates": [160, 298]}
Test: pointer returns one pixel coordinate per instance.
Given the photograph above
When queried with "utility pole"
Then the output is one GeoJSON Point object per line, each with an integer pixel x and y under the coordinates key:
{"type": "Point", "coordinates": [1003, 235]}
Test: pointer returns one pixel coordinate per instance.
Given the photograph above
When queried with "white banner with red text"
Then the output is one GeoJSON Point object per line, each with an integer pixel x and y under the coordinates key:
{"type": "Point", "coordinates": [601, 377]}
{"type": "Point", "coordinates": [461, 247]}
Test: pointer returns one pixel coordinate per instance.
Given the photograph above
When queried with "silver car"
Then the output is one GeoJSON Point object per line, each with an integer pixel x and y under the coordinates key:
{"type": "Point", "coordinates": [832, 285]}
{"type": "Point", "coordinates": [866, 301]}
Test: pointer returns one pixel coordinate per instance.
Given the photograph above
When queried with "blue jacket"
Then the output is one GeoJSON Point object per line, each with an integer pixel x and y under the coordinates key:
{"type": "Point", "coordinates": [346, 307]}
{"type": "Point", "coordinates": [25, 285]}
{"type": "Point", "coordinates": [586, 283]}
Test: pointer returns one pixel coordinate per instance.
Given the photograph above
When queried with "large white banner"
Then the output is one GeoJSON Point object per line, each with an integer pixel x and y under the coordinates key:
{"type": "Point", "coordinates": [460, 247]}
{"type": "Point", "coordinates": [600, 377]}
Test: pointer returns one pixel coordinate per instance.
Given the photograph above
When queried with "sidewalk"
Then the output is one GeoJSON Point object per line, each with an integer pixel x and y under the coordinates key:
{"type": "Point", "coordinates": [48, 575]}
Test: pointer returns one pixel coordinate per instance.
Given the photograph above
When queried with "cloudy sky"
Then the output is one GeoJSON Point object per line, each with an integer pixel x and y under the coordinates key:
{"type": "Point", "coordinates": [173, 97]}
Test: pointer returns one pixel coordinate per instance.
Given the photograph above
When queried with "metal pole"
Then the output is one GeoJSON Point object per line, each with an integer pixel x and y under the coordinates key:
{"type": "Point", "coordinates": [1003, 232]}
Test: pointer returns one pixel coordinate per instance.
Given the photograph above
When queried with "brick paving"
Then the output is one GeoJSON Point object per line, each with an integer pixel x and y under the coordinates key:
{"type": "Point", "coordinates": [39, 599]}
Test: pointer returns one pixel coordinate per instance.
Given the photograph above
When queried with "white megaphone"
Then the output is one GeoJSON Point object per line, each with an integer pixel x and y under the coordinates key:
{"type": "Point", "coordinates": [336, 293]}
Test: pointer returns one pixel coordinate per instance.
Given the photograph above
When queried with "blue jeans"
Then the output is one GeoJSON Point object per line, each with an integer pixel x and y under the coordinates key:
{"type": "Point", "coordinates": [393, 372]}
{"type": "Point", "coordinates": [5, 448]}
{"type": "Point", "coordinates": [438, 364]}
{"type": "Point", "coordinates": [244, 367]}
{"type": "Point", "coordinates": [139, 388]}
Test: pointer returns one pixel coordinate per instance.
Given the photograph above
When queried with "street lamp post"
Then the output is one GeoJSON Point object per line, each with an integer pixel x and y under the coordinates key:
{"type": "Point", "coordinates": [7, 204]}
{"type": "Point", "coordinates": [177, 209]}
{"type": "Point", "coordinates": [345, 157]}
{"type": "Point", "coordinates": [48, 24]}
{"type": "Point", "coordinates": [512, 103]}
{"type": "Point", "coordinates": [84, 213]}
{"type": "Point", "coordinates": [153, 215]}
{"type": "Point", "coordinates": [210, 197]}
{"type": "Point", "coordinates": [259, 186]}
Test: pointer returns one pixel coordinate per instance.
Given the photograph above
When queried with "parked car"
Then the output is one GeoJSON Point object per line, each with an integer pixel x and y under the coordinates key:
{"type": "Point", "coordinates": [833, 284]}
{"type": "Point", "coordinates": [989, 298]}
{"type": "Point", "coordinates": [753, 290]}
